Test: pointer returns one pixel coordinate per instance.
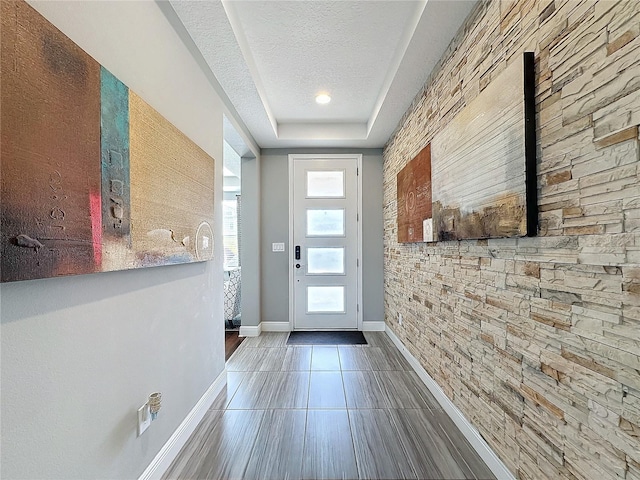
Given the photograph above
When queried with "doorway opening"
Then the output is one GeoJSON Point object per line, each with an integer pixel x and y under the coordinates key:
{"type": "Point", "coordinates": [231, 238]}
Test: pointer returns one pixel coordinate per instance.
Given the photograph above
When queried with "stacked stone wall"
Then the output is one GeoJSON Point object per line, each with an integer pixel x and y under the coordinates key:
{"type": "Point", "coordinates": [537, 340]}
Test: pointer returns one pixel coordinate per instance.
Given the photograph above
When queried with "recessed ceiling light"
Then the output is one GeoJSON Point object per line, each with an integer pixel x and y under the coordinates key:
{"type": "Point", "coordinates": [323, 98]}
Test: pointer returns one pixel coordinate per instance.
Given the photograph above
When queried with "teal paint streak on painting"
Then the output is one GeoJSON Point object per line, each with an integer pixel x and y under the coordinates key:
{"type": "Point", "coordinates": [114, 133]}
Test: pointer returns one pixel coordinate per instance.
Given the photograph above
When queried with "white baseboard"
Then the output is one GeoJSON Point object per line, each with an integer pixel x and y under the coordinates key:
{"type": "Point", "coordinates": [373, 326]}
{"type": "Point", "coordinates": [250, 330]}
{"type": "Point", "coordinates": [170, 450]}
{"type": "Point", "coordinates": [470, 432]}
{"type": "Point", "coordinates": [254, 331]}
{"type": "Point", "coordinates": [285, 327]}
{"type": "Point", "coordinates": [275, 327]}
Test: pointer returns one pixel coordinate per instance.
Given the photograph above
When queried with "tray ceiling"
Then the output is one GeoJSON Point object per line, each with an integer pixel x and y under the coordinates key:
{"type": "Point", "coordinates": [273, 57]}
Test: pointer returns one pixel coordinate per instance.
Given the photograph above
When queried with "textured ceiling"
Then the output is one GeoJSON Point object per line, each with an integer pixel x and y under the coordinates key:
{"type": "Point", "coordinates": [272, 57]}
{"type": "Point", "coordinates": [332, 50]}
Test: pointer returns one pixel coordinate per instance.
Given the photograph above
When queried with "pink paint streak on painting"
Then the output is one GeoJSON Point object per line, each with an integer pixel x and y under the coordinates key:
{"type": "Point", "coordinates": [95, 205]}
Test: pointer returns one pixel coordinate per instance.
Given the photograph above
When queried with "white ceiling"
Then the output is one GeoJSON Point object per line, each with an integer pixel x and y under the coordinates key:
{"type": "Point", "coordinates": [272, 57]}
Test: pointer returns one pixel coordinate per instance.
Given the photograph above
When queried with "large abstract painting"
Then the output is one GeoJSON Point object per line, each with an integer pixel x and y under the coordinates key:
{"type": "Point", "coordinates": [92, 178]}
{"type": "Point", "coordinates": [482, 176]}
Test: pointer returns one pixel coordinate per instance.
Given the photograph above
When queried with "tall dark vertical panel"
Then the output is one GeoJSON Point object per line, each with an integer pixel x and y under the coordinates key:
{"type": "Point", "coordinates": [531, 178]}
{"type": "Point", "coordinates": [50, 173]}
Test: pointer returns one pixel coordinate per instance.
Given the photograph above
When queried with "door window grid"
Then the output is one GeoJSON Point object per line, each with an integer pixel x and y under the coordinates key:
{"type": "Point", "coordinates": [325, 183]}
{"type": "Point", "coordinates": [325, 299]}
{"type": "Point", "coordinates": [325, 222]}
{"type": "Point", "coordinates": [325, 260]}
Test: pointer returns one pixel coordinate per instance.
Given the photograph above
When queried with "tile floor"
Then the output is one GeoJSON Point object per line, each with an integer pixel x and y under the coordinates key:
{"type": "Point", "coordinates": [311, 412]}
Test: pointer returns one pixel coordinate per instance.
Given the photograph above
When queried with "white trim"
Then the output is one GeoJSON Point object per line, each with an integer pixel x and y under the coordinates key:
{"type": "Point", "coordinates": [275, 327]}
{"type": "Point", "coordinates": [177, 440]}
{"type": "Point", "coordinates": [360, 308]}
{"type": "Point", "coordinates": [291, 245]}
{"type": "Point", "coordinates": [246, 51]}
{"type": "Point", "coordinates": [250, 330]}
{"type": "Point", "coordinates": [470, 432]}
{"type": "Point", "coordinates": [373, 326]}
{"type": "Point", "coordinates": [311, 156]}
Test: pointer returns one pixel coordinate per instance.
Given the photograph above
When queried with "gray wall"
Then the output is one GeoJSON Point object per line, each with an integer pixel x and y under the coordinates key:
{"type": "Point", "coordinates": [275, 228]}
{"type": "Point", "coordinates": [81, 354]}
{"type": "Point", "coordinates": [250, 235]}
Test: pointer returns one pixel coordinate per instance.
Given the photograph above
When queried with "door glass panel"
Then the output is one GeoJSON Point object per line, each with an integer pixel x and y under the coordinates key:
{"type": "Point", "coordinates": [325, 223]}
{"type": "Point", "coordinates": [325, 299]}
{"type": "Point", "coordinates": [323, 184]}
{"type": "Point", "coordinates": [325, 260]}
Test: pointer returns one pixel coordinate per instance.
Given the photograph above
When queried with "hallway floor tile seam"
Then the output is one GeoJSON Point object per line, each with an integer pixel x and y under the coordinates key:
{"type": "Point", "coordinates": [388, 402]}
{"type": "Point", "coordinates": [368, 412]}
{"type": "Point", "coordinates": [240, 351]}
{"type": "Point", "coordinates": [264, 419]}
{"type": "Point", "coordinates": [377, 375]}
{"type": "Point", "coordinates": [398, 438]}
{"type": "Point", "coordinates": [444, 432]}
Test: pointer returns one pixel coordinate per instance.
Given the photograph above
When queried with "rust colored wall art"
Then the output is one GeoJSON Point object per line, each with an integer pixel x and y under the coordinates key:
{"type": "Point", "coordinates": [414, 199]}
{"type": "Point", "coordinates": [92, 178]}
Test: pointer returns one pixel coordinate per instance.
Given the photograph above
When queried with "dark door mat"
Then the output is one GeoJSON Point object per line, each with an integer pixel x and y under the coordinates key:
{"type": "Point", "coordinates": [326, 338]}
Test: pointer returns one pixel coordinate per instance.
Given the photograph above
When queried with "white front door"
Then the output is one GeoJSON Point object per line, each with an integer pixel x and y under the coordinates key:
{"type": "Point", "coordinates": [324, 253]}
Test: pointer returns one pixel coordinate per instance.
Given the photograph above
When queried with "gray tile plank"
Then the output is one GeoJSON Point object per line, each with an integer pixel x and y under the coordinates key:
{"type": "Point", "coordinates": [414, 380]}
{"type": "Point", "coordinates": [234, 379]}
{"type": "Point", "coordinates": [273, 339]}
{"type": "Point", "coordinates": [462, 447]}
{"type": "Point", "coordinates": [405, 390]}
{"type": "Point", "coordinates": [220, 447]}
{"type": "Point", "coordinates": [235, 435]}
{"type": "Point", "coordinates": [379, 452]}
{"type": "Point", "coordinates": [363, 391]}
{"type": "Point", "coordinates": [268, 390]}
{"type": "Point", "coordinates": [432, 453]}
{"type": "Point", "coordinates": [272, 359]}
{"type": "Point", "coordinates": [253, 392]}
{"type": "Point", "coordinates": [288, 390]}
{"type": "Point", "coordinates": [328, 448]}
{"type": "Point", "coordinates": [245, 360]}
{"type": "Point", "coordinates": [325, 358]}
{"type": "Point", "coordinates": [297, 358]}
{"type": "Point", "coordinates": [266, 339]}
{"type": "Point", "coordinates": [251, 342]}
{"type": "Point", "coordinates": [326, 390]}
{"type": "Point", "coordinates": [378, 339]}
{"type": "Point", "coordinates": [354, 358]}
{"type": "Point", "coordinates": [188, 462]}
{"type": "Point", "coordinates": [255, 359]}
{"type": "Point", "coordinates": [278, 449]}
{"type": "Point", "coordinates": [382, 359]}
{"type": "Point", "coordinates": [397, 358]}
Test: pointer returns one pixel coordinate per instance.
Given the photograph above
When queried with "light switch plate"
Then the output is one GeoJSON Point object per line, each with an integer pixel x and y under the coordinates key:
{"type": "Point", "coordinates": [277, 247]}
{"type": "Point", "coordinates": [144, 418]}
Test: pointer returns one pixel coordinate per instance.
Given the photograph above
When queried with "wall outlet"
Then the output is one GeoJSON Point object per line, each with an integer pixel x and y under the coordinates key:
{"type": "Point", "coordinates": [399, 319]}
{"type": "Point", "coordinates": [277, 247]}
{"type": "Point", "coordinates": [144, 418]}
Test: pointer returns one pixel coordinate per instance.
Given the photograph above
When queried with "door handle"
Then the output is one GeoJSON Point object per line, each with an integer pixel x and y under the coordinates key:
{"type": "Point", "coordinates": [298, 253]}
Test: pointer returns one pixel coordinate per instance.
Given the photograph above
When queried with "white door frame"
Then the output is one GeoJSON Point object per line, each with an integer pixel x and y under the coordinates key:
{"type": "Point", "coordinates": [329, 156]}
